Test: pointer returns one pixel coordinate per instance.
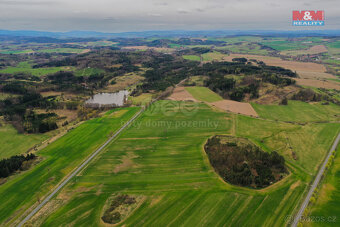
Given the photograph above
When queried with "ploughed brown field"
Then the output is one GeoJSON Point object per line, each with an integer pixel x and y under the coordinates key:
{"type": "Point", "coordinates": [235, 107]}
{"type": "Point", "coordinates": [318, 83]}
{"type": "Point", "coordinates": [180, 94]}
{"type": "Point", "coordinates": [313, 50]}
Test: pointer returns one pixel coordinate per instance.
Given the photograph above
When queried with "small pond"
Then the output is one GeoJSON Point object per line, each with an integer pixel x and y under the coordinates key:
{"type": "Point", "coordinates": [117, 98]}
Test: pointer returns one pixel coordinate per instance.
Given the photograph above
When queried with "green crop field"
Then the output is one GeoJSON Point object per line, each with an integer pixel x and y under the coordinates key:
{"type": "Point", "coordinates": [285, 45]}
{"type": "Point", "coordinates": [13, 143]}
{"type": "Point", "coordinates": [167, 165]}
{"type": "Point", "coordinates": [299, 112]}
{"type": "Point", "coordinates": [192, 57]}
{"type": "Point", "coordinates": [326, 207]}
{"type": "Point", "coordinates": [203, 94]}
{"type": "Point", "coordinates": [16, 51]}
{"type": "Point", "coordinates": [88, 72]}
{"type": "Point", "coordinates": [211, 56]}
{"type": "Point", "coordinates": [62, 50]}
{"type": "Point", "coordinates": [25, 67]}
{"type": "Point", "coordinates": [58, 159]}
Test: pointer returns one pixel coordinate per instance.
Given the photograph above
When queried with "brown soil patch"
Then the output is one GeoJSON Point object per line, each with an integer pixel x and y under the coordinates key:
{"type": "Point", "coordinates": [180, 94]}
{"type": "Point", "coordinates": [126, 164]}
{"type": "Point", "coordinates": [317, 49]}
{"type": "Point", "coordinates": [306, 70]}
{"type": "Point", "coordinates": [156, 200]}
{"type": "Point", "coordinates": [313, 50]}
{"type": "Point", "coordinates": [85, 51]}
{"type": "Point", "coordinates": [135, 47]}
{"type": "Point", "coordinates": [235, 107]}
{"type": "Point", "coordinates": [295, 185]}
{"type": "Point", "coordinates": [318, 83]}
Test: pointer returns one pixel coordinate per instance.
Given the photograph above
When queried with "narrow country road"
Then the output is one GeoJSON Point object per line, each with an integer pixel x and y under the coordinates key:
{"type": "Point", "coordinates": [75, 172]}
{"type": "Point", "coordinates": [315, 183]}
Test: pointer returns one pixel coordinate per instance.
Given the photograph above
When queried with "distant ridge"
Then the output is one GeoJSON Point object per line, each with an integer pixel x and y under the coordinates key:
{"type": "Point", "coordinates": [170, 33]}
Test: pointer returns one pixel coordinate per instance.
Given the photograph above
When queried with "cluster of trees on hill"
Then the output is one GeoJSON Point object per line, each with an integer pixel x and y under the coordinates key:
{"type": "Point", "coordinates": [18, 110]}
{"type": "Point", "coordinates": [14, 163]}
{"type": "Point", "coordinates": [242, 163]}
{"type": "Point", "coordinates": [253, 75]}
{"type": "Point", "coordinates": [165, 71]}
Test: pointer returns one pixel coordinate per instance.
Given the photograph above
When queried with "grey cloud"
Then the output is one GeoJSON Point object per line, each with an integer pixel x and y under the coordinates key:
{"type": "Point", "coordinates": [25, 3]}
{"type": "Point", "coordinates": [183, 11]}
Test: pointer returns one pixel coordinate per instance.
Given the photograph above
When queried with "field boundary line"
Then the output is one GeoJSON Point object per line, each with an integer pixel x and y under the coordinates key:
{"type": "Point", "coordinates": [315, 183]}
{"type": "Point", "coordinates": [77, 170]}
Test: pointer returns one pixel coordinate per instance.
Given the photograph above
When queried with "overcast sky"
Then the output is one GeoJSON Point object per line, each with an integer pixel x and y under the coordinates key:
{"type": "Point", "coordinates": [139, 15]}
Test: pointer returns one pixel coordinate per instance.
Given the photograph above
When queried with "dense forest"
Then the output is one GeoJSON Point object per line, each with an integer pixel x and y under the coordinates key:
{"type": "Point", "coordinates": [18, 162]}
{"type": "Point", "coordinates": [242, 163]}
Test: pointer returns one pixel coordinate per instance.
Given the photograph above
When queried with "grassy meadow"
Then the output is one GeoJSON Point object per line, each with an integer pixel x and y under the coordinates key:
{"type": "Point", "coordinates": [299, 112]}
{"type": "Point", "coordinates": [203, 94]}
{"type": "Point", "coordinates": [25, 67]}
{"type": "Point", "coordinates": [58, 160]}
{"type": "Point", "coordinates": [167, 165]}
{"type": "Point", "coordinates": [13, 143]}
{"type": "Point", "coordinates": [192, 57]}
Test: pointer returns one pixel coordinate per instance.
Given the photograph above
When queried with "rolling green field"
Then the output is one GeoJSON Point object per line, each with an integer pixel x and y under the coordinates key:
{"type": "Point", "coordinates": [211, 56]}
{"type": "Point", "coordinates": [327, 206]}
{"type": "Point", "coordinates": [299, 112]}
{"type": "Point", "coordinates": [167, 165]}
{"type": "Point", "coordinates": [13, 143]}
{"type": "Point", "coordinates": [25, 67]}
{"type": "Point", "coordinates": [58, 160]}
{"type": "Point", "coordinates": [286, 45]}
{"type": "Point", "coordinates": [16, 51]}
{"type": "Point", "coordinates": [88, 72]}
{"type": "Point", "coordinates": [203, 94]}
{"type": "Point", "coordinates": [192, 57]}
{"type": "Point", "coordinates": [62, 50]}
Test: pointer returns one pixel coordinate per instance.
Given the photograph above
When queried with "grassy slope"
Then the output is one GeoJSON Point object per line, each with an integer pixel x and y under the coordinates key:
{"type": "Point", "coordinates": [328, 198]}
{"type": "Point", "coordinates": [13, 143]}
{"type": "Point", "coordinates": [192, 57]}
{"type": "Point", "coordinates": [203, 94]}
{"type": "Point", "coordinates": [169, 166]}
{"type": "Point", "coordinates": [141, 99]}
{"type": "Point", "coordinates": [285, 45]}
{"type": "Point", "coordinates": [210, 56]}
{"type": "Point", "coordinates": [299, 112]}
{"type": "Point", "coordinates": [60, 158]}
